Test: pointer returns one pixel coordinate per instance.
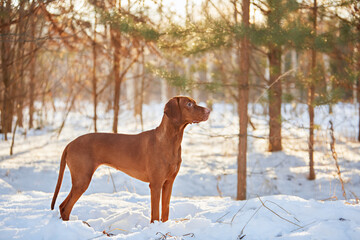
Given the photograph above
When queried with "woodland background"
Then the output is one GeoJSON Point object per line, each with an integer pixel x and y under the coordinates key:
{"type": "Point", "coordinates": [124, 54]}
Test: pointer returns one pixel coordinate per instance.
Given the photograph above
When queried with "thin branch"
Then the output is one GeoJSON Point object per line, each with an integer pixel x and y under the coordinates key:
{"type": "Point", "coordinates": [113, 182]}
{"type": "Point", "coordinates": [265, 12]}
{"type": "Point", "coordinates": [279, 78]}
{"type": "Point", "coordinates": [263, 203]}
{"type": "Point", "coordinates": [129, 66]}
{"type": "Point", "coordinates": [334, 155]}
{"type": "Point", "coordinates": [221, 14]}
{"type": "Point", "coordinates": [241, 235]}
{"type": "Point", "coordinates": [257, 71]}
{"type": "Point", "coordinates": [239, 211]}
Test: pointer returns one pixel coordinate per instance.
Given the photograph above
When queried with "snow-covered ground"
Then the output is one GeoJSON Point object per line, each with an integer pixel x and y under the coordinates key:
{"type": "Point", "coordinates": [282, 202]}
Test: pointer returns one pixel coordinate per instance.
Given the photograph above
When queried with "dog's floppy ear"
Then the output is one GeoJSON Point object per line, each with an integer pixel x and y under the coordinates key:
{"type": "Point", "coordinates": [172, 109]}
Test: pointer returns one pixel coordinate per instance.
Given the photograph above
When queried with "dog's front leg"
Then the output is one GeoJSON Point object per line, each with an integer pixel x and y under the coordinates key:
{"type": "Point", "coordinates": [155, 191]}
{"type": "Point", "coordinates": [165, 199]}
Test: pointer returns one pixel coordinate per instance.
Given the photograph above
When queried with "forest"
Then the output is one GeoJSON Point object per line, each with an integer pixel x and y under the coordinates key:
{"type": "Point", "coordinates": [282, 81]}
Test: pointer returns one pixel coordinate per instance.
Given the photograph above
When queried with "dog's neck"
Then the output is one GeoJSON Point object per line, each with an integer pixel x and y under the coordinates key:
{"type": "Point", "coordinates": [170, 131]}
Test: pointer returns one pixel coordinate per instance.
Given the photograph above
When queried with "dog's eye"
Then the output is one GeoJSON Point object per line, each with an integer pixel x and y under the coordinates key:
{"type": "Point", "coordinates": [189, 104]}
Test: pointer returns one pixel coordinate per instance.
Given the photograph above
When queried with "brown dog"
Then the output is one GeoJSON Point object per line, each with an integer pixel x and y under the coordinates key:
{"type": "Point", "coordinates": [153, 156]}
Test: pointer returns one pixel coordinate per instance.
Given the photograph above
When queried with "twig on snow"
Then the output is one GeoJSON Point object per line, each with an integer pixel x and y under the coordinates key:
{"type": "Point", "coordinates": [163, 236]}
{"type": "Point", "coordinates": [189, 234]}
{"type": "Point", "coordinates": [107, 233]}
{"type": "Point", "coordinates": [112, 179]}
{"type": "Point", "coordinates": [334, 155]}
{"type": "Point", "coordinates": [263, 204]}
{"type": "Point", "coordinates": [303, 226]}
{"type": "Point", "coordinates": [239, 211]}
{"type": "Point", "coordinates": [181, 220]}
{"type": "Point", "coordinates": [241, 235]}
{"type": "Point", "coordinates": [218, 178]}
{"type": "Point", "coordinates": [356, 197]}
{"type": "Point", "coordinates": [333, 198]}
{"type": "Point", "coordinates": [218, 220]}
{"type": "Point", "coordinates": [283, 209]}
{"type": "Point", "coordinates": [169, 236]}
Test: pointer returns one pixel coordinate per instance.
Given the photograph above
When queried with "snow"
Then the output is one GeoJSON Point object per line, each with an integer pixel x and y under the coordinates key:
{"type": "Point", "coordinates": [281, 203]}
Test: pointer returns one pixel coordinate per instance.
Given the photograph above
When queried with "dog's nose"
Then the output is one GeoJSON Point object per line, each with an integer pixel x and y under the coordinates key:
{"type": "Point", "coordinates": [207, 111]}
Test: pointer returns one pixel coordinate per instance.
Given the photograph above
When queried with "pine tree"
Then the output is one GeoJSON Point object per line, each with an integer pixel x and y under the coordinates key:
{"type": "Point", "coordinates": [311, 96]}
{"type": "Point", "coordinates": [273, 36]}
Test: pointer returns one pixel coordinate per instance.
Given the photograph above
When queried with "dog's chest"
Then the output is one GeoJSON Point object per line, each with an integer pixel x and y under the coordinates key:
{"type": "Point", "coordinates": [173, 168]}
{"type": "Point", "coordinates": [171, 161]}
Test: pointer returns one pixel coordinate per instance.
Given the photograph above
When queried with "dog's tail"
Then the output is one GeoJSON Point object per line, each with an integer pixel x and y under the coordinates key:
{"type": "Point", "coordinates": [61, 174]}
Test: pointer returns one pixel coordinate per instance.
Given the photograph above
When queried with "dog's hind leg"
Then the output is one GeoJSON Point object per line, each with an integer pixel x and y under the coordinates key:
{"type": "Point", "coordinates": [77, 189]}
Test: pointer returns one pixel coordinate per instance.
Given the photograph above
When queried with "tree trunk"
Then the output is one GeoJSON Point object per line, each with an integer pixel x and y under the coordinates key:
{"type": "Point", "coordinates": [7, 103]}
{"type": "Point", "coordinates": [358, 82]}
{"type": "Point", "coordinates": [311, 95]}
{"type": "Point", "coordinates": [358, 100]}
{"type": "Point", "coordinates": [311, 92]}
{"type": "Point", "coordinates": [275, 94]}
{"type": "Point", "coordinates": [21, 67]}
{"type": "Point", "coordinates": [142, 88]}
{"type": "Point", "coordinates": [243, 98]}
{"type": "Point", "coordinates": [136, 91]}
{"type": "Point", "coordinates": [115, 39]}
{"type": "Point", "coordinates": [32, 75]}
{"type": "Point", "coordinates": [94, 79]}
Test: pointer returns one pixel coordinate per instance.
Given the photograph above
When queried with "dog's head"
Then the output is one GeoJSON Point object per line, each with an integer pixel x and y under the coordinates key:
{"type": "Point", "coordinates": [184, 110]}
